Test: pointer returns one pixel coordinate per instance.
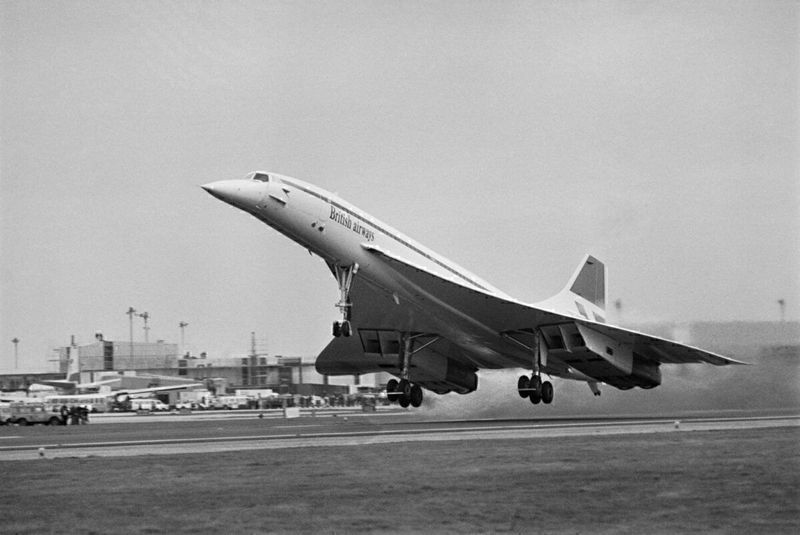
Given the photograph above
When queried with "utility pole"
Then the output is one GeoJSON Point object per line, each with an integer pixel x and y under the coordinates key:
{"type": "Point", "coordinates": [131, 312]}
{"type": "Point", "coordinates": [145, 316]}
{"type": "Point", "coordinates": [15, 341]}
{"type": "Point", "coordinates": [255, 369]}
{"type": "Point", "coordinates": [782, 304]}
{"type": "Point", "coordinates": [183, 326]}
{"type": "Point", "coordinates": [253, 358]}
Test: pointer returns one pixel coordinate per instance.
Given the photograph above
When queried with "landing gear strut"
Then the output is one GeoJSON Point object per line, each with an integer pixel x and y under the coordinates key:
{"type": "Point", "coordinates": [344, 277]}
{"type": "Point", "coordinates": [404, 391]}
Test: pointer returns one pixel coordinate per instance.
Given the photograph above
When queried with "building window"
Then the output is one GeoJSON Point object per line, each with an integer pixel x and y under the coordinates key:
{"type": "Point", "coordinates": [108, 356]}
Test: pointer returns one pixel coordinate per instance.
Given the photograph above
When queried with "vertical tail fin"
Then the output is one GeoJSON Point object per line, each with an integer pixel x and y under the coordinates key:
{"type": "Point", "coordinates": [584, 294]}
{"type": "Point", "coordinates": [589, 281]}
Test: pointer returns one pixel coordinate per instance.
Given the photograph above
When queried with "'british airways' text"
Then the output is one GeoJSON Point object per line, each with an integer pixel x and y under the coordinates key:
{"type": "Point", "coordinates": [348, 222]}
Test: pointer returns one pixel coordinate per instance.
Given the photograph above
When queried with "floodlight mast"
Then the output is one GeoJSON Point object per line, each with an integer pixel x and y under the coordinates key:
{"type": "Point", "coordinates": [183, 326]}
{"type": "Point", "coordinates": [15, 341]}
{"type": "Point", "coordinates": [131, 312]}
{"type": "Point", "coordinates": [145, 316]}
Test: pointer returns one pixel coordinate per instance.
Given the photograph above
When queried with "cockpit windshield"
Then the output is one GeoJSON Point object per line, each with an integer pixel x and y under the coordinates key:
{"type": "Point", "coordinates": [261, 177]}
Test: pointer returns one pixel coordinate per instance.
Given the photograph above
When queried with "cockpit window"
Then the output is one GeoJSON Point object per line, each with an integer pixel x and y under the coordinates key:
{"type": "Point", "coordinates": [261, 176]}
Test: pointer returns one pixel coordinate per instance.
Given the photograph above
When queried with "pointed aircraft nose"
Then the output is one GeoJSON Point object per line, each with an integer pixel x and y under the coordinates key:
{"type": "Point", "coordinates": [218, 189]}
{"type": "Point", "coordinates": [239, 193]}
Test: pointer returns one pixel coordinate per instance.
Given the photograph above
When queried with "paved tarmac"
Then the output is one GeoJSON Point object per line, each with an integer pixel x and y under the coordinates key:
{"type": "Point", "coordinates": [130, 434]}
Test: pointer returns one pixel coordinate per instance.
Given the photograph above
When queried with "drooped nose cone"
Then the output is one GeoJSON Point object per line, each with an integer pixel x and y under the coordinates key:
{"type": "Point", "coordinates": [239, 193]}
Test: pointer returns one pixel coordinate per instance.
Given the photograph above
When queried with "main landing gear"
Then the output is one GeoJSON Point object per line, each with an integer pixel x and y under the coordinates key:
{"type": "Point", "coordinates": [533, 387]}
{"type": "Point", "coordinates": [344, 277]}
{"type": "Point", "coordinates": [404, 391]}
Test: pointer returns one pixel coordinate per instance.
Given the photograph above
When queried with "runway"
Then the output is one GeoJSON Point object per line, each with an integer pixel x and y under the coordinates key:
{"type": "Point", "coordinates": [132, 435]}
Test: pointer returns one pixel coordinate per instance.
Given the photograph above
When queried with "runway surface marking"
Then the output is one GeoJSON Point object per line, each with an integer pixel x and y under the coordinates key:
{"type": "Point", "coordinates": [361, 437]}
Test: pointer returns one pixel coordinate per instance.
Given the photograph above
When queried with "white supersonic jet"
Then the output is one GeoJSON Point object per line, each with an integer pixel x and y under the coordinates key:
{"type": "Point", "coordinates": [431, 323]}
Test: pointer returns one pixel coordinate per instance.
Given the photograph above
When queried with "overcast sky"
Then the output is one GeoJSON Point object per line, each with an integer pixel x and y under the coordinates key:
{"type": "Point", "coordinates": [512, 137]}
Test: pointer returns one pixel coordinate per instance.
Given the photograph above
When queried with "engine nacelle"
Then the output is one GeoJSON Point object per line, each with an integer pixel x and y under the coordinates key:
{"type": "Point", "coordinates": [617, 365]}
{"type": "Point", "coordinates": [442, 375]}
{"type": "Point", "coordinates": [647, 374]}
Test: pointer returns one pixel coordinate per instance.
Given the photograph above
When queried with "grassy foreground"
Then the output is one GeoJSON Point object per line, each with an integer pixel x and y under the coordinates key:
{"type": "Point", "coordinates": [717, 481]}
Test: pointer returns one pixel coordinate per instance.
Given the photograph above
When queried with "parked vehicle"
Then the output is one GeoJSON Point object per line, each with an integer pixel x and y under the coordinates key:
{"type": "Point", "coordinates": [31, 413]}
{"type": "Point", "coordinates": [94, 402]}
{"type": "Point", "coordinates": [148, 404]}
{"type": "Point", "coordinates": [232, 402]}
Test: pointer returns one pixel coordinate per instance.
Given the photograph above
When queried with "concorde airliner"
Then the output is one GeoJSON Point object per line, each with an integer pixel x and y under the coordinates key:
{"type": "Point", "coordinates": [409, 311]}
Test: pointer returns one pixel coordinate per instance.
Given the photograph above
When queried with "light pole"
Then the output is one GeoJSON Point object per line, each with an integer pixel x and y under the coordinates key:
{"type": "Point", "coordinates": [15, 341]}
{"type": "Point", "coordinates": [782, 304]}
{"type": "Point", "coordinates": [183, 326]}
{"type": "Point", "coordinates": [145, 316]}
{"type": "Point", "coordinates": [131, 312]}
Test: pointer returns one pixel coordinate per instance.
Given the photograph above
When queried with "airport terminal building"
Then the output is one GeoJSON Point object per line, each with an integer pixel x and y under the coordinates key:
{"type": "Point", "coordinates": [146, 364]}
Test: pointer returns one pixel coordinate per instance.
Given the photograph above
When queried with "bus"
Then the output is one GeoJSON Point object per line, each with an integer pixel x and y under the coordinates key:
{"type": "Point", "coordinates": [94, 402]}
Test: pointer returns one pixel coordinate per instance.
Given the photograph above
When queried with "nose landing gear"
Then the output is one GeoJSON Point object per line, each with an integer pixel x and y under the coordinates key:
{"type": "Point", "coordinates": [344, 278]}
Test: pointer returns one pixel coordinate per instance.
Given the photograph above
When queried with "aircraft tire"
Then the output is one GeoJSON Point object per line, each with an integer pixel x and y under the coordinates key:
{"type": "Point", "coordinates": [536, 383]}
{"type": "Point", "coordinates": [404, 401]}
{"type": "Point", "coordinates": [547, 392]}
{"type": "Point", "coordinates": [391, 390]}
{"type": "Point", "coordinates": [523, 384]}
{"type": "Point", "coordinates": [415, 396]}
{"type": "Point", "coordinates": [536, 397]}
{"type": "Point", "coordinates": [404, 387]}
{"type": "Point", "coordinates": [337, 329]}
{"type": "Point", "coordinates": [347, 330]}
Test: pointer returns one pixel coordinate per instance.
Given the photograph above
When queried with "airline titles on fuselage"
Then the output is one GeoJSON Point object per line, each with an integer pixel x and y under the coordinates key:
{"type": "Point", "coordinates": [350, 223]}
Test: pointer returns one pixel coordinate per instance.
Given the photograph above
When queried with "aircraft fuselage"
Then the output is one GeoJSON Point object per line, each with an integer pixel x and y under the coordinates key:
{"type": "Point", "coordinates": [343, 235]}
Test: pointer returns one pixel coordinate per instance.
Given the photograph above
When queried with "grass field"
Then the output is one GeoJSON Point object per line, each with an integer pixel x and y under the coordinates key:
{"type": "Point", "coordinates": [712, 482]}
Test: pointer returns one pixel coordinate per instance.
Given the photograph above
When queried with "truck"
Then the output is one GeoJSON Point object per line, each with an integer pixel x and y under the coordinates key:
{"type": "Point", "coordinates": [20, 413]}
{"type": "Point", "coordinates": [148, 404]}
{"type": "Point", "coordinates": [231, 402]}
{"type": "Point", "coordinates": [194, 399]}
